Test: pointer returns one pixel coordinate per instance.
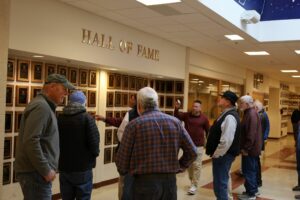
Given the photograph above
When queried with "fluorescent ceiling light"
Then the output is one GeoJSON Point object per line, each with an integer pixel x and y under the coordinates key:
{"type": "Point", "coordinates": [225, 85]}
{"type": "Point", "coordinates": [289, 71]}
{"type": "Point", "coordinates": [234, 37]}
{"type": "Point", "coordinates": [157, 2]}
{"type": "Point", "coordinates": [38, 56]}
{"type": "Point", "coordinates": [195, 79]}
{"type": "Point", "coordinates": [297, 51]}
{"type": "Point", "coordinates": [201, 81]}
{"type": "Point", "coordinates": [256, 53]}
{"type": "Point", "coordinates": [296, 76]}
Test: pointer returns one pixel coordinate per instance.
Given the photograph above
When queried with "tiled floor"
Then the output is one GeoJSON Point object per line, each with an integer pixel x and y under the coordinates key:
{"type": "Point", "coordinates": [279, 176]}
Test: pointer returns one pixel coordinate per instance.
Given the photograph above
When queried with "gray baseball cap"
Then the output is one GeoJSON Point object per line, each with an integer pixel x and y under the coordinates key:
{"type": "Point", "coordinates": [57, 78]}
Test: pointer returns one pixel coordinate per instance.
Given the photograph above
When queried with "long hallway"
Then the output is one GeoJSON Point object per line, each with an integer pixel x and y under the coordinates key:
{"type": "Point", "coordinates": [278, 173]}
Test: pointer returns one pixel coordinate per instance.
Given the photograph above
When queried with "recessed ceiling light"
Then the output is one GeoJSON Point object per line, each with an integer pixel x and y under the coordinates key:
{"type": "Point", "coordinates": [297, 51]}
{"type": "Point", "coordinates": [256, 53]}
{"type": "Point", "coordinates": [296, 76]}
{"type": "Point", "coordinates": [234, 37]}
{"type": "Point", "coordinates": [38, 56]}
{"type": "Point", "coordinates": [289, 71]}
{"type": "Point", "coordinates": [157, 2]}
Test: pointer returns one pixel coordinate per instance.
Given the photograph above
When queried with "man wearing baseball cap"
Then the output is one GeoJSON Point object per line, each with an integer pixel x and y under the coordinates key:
{"type": "Point", "coordinates": [223, 143]}
{"type": "Point", "coordinates": [38, 142]}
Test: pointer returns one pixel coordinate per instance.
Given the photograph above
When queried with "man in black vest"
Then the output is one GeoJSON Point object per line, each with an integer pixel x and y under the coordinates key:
{"type": "Point", "coordinates": [223, 143]}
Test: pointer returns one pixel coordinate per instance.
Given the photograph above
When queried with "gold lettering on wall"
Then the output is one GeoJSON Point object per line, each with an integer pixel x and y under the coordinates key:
{"type": "Point", "coordinates": [104, 41]}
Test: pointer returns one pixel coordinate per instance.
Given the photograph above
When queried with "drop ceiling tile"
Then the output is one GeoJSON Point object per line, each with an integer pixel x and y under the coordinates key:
{"type": "Point", "coordinates": [173, 28]}
{"type": "Point", "coordinates": [87, 6]}
{"type": "Point", "coordinates": [193, 18]}
{"type": "Point", "coordinates": [183, 8]}
{"type": "Point", "coordinates": [157, 21]}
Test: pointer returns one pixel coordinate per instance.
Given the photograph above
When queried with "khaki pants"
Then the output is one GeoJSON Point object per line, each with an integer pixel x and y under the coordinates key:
{"type": "Point", "coordinates": [195, 169]}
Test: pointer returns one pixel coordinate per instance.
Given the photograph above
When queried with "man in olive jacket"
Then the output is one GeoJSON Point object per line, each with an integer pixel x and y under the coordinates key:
{"type": "Point", "coordinates": [38, 142]}
{"type": "Point", "coordinates": [251, 143]}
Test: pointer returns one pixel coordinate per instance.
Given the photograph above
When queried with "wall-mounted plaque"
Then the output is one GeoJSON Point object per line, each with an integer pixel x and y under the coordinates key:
{"type": "Point", "coordinates": [114, 154]}
{"type": "Point", "coordinates": [91, 98]}
{"type": "Point", "coordinates": [179, 87]}
{"type": "Point", "coordinates": [9, 95]}
{"type": "Point", "coordinates": [107, 155]}
{"type": "Point", "coordinates": [109, 114]}
{"type": "Point", "coordinates": [83, 77]}
{"type": "Point", "coordinates": [62, 70]}
{"type": "Point", "coordinates": [6, 173]}
{"type": "Point", "coordinates": [111, 81]}
{"type": "Point", "coordinates": [8, 121]}
{"type": "Point", "coordinates": [7, 147]}
{"type": "Point", "coordinates": [139, 83]}
{"type": "Point", "coordinates": [169, 87]}
{"type": "Point", "coordinates": [169, 102]}
{"type": "Point", "coordinates": [161, 101]}
{"type": "Point", "coordinates": [35, 90]}
{"type": "Point", "coordinates": [73, 75]}
{"type": "Point", "coordinates": [124, 82]}
{"type": "Point", "coordinates": [132, 82]}
{"type": "Point", "coordinates": [108, 137]}
{"type": "Point", "coordinates": [118, 81]}
{"type": "Point", "coordinates": [116, 140]}
{"type": "Point", "coordinates": [18, 116]}
{"type": "Point", "coordinates": [21, 95]}
{"type": "Point", "coordinates": [118, 99]}
{"type": "Point", "coordinates": [15, 145]}
{"type": "Point", "coordinates": [50, 69]}
{"type": "Point", "coordinates": [23, 70]}
{"type": "Point", "coordinates": [110, 99]}
{"type": "Point", "coordinates": [11, 70]}
{"type": "Point", "coordinates": [37, 72]}
{"type": "Point", "coordinates": [124, 99]}
{"type": "Point", "coordinates": [93, 78]}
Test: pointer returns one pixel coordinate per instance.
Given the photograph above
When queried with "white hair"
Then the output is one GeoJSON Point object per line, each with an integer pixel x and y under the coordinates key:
{"type": "Point", "coordinates": [258, 105]}
{"type": "Point", "coordinates": [148, 98]}
{"type": "Point", "coordinates": [247, 99]}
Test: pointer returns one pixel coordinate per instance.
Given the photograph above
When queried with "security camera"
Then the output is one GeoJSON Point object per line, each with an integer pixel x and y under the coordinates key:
{"type": "Point", "coordinates": [250, 17]}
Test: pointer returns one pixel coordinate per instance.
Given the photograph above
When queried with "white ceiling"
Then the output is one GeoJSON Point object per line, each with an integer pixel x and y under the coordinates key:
{"type": "Point", "coordinates": [191, 24]}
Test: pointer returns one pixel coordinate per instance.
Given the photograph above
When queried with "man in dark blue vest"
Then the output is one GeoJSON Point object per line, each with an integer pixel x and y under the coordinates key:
{"type": "Point", "coordinates": [223, 143]}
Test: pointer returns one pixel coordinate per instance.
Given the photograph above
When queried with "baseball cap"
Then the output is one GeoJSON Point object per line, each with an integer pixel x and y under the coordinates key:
{"type": "Point", "coordinates": [57, 78]}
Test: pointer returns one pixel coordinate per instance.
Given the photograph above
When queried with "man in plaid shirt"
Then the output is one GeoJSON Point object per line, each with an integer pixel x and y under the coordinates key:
{"type": "Point", "coordinates": [149, 150]}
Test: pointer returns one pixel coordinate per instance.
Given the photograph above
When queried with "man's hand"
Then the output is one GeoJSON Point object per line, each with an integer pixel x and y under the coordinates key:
{"type": "Point", "coordinates": [50, 176]}
{"type": "Point", "coordinates": [99, 118]}
{"type": "Point", "coordinates": [177, 104]}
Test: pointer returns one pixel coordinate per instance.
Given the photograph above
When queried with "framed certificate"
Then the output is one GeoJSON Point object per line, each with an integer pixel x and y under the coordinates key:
{"type": "Point", "coordinates": [23, 70]}
{"type": "Point", "coordinates": [37, 72]}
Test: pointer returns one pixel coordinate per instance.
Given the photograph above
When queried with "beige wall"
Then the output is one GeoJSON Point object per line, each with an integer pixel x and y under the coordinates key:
{"type": "Point", "coordinates": [4, 27]}
{"type": "Point", "coordinates": [55, 29]}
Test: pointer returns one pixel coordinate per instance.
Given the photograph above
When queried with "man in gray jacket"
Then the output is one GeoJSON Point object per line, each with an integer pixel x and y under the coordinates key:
{"type": "Point", "coordinates": [38, 142]}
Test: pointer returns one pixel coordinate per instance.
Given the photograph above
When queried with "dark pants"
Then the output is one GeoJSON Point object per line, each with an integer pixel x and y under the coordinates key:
{"type": "Point", "coordinates": [221, 168]}
{"type": "Point", "coordinates": [295, 130]}
{"type": "Point", "coordinates": [34, 186]}
{"type": "Point", "coordinates": [155, 187]}
{"type": "Point", "coordinates": [127, 188]}
{"type": "Point", "coordinates": [76, 185]}
{"type": "Point", "coordinates": [298, 164]}
{"type": "Point", "coordinates": [249, 166]}
{"type": "Point", "coordinates": [259, 180]}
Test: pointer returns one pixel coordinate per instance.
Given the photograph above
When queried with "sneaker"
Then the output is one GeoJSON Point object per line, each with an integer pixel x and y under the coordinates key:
{"type": "Point", "coordinates": [256, 194]}
{"type": "Point", "coordinates": [246, 197]}
{"type": "Point", "coordinates": [192, 190]}
{"type": "Point", "coordinates": [296, 188]}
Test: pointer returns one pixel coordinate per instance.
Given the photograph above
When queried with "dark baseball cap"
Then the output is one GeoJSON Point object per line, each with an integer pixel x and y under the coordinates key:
{"type": "Point", "coordinates": [57, 78]}
{"type": "Point", "coordinates": [231, 96]}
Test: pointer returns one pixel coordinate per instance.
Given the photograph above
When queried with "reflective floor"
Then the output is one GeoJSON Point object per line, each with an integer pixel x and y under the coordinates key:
{"type": "Point", "coordinates": [279, 176]}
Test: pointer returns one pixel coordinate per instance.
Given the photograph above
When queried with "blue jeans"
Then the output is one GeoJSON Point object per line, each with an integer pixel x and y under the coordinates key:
{"type": "Point", "coordinates": [34, 186]}
{"type": "Point", "coordinates": [221, 167]}
{"type": "Point", "coordinates": [77, 185]}
{"type": "Point", "coordinates": [128, 185]}
{"type": "Point", "coordinates": [250, 169]}
{"type": "Point", "coordinates": [155, 187]}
